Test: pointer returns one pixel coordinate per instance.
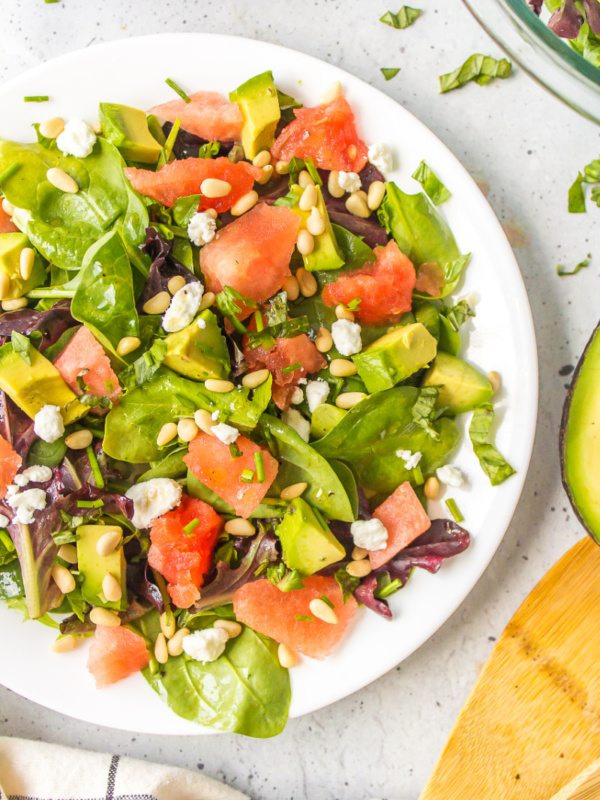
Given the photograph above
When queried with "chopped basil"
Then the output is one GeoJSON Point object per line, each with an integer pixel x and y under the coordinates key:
{"type": "Point", "coordinates": [576, 196]}
{"type": "Point", "coordinates": [454, 510]}
{"type": "Point", "coordinates": [178, 89]}
{"type": "Point", "coordinates": [284, 330]}
{"type": "Point", "coordinates": [432, 185]}
{"type": "Point", "coordinates": [457, 315]}
{"type": "Point", "coordinates": [227, 303]}
{"type": "Point", "coordinates": [209, 150]}
{"type": "Point", "coordinates": [347, 583]}
{"type": "Point", "coordinates": [291, 581]}
{"type": "Point", "coordinates": [405, 17]}
{"type": "Point", "coordinates": [424, 409]}
{"type": "Point", "coordinates": [145, 366]}
{"type": "Point", "coordinates": [20, 345]}
{"type": "Point", "coordinates": [418, 476]}
{"type": "Point", "coordinates": [492, 462]}
{"type": "Point", "coordinates": [479, 68]}
{"type": "Point", "coordinates": [389, 72]}
{"type": "Point", "coordinates": [327, 601]}
{"type": "Point", "coordinates": [560, 270]}
{"type": "Point", "coordinates": [234, 450]}
{"type": "Point", "coordinates": [387, 587]}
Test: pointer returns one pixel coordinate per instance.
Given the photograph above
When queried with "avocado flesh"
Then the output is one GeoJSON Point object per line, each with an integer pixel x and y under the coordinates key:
{"type": "Point", "coordinates": [326, 253]}
{"type": "Point", "coordinates": [580, 439]}
{"type": "Point", "coordinates": [324, 418]}
{"type": "Point", "coordinates": [11, 246]}
{"type": "Point", "coordinates": [257, 100]}
{"type": "Point", "coordinates": [93, 568]}
{"type": "Point", "coordinates": [461, 387]}
{"type": "Point", "coordinates": [127, 128]}
{"type": "Point", "coordinates": [395, 356]}
{"type": "Point", "coordinates": [36, 385]}
{"type": "Point", "coordinates": [199, 353]}
{"type": "Point", "coordinates": [307, 546]}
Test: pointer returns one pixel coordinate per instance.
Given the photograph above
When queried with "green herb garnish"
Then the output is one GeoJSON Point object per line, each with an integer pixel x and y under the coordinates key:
{"type": "Point", "coordinates": [90, 503]}
{"type": "Point", "coordinates": [96, 471]}
{"type": "Point", "coordinates": [479, 68]}
{"type": "Point", "coordinates": [209, 150]}
{"type": "Point", "coordinates": [167, 151]}
{"type": "Point", "coordinates": [418, 476]}
{"type": "Point", "coordinates": [424, 409]}
{"type": "Point", "coordinates": [327, 601]}
{"type": "Point", "coordinates": [247, 476]}
{"type": "Point", "coordinates": [178, 89]}
{"type": "Point", "coordinates": [235, 451]}
{"type": "Point", "coordinates": [304, 618]}
{"type": "Point", "coordinates": [260, 467]}
{"type": "Point", "coordinates": [228, 304]}
{"type": "Point", "coordinates": [389, 72]}
{"type": "Point", "coordinates": [576, 197]}
{"type": "Point", "coordinates": [405, 17]}
{"type": "Point", "coordinates": [560, 270]}
{"type": "Point", "coordinates": [21, 345]}
{"type": "Point", "coordinates": [432, 185]}
{"type": "Point", "coordinates": [36, 98]}
{"type": "Point", "coordinates": [492, 462]}
{"type": "Point", "coordinates": [347, 583]}
{"type": "Point", "coordinates": [454, 510]}
{"type": "Point", "coordinates": [191, 526]}
{"type": "Point", "coordinates": [291, 368]}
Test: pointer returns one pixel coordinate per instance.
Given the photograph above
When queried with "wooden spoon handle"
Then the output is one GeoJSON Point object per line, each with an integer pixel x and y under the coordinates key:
{"type": "Point", "coordinates": [586, 786]}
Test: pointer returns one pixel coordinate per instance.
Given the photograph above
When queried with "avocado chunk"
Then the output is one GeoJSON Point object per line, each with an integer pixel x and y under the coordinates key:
{"type": "Point", "coordinates": [326, 253]}
{"type": "Point", "coordinates": [199, 352]}
{"type": "Point", "coordinates": [324, 418]}
{"type": "Point", "coordinates": [11, 247]}
{"type": "Point", "coordinates": [127, 128]}
{"type": "Point", "coordinates": [32, 386]}
{"type": "Point", "coordinates": [395, 356]}
{"type": "Point", "coordinates": [93, 567]}
{"type": "Point", "coordinates": [257, 100]}
{"type": "Point", "coordinates": [307, 545]}
{"type": "Point", "coordinates": [462, 387]}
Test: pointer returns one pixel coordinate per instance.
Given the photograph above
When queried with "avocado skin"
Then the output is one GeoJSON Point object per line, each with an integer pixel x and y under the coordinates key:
{"type": "Point", "coordinates": [461, 387]}
{"type": "Point", "coordinates": [199, 353]}
{"type": "Point", "coordinates": [127, 128]}
{"type": "Point", "coordinates": [258, 101]}
{"type": "Point", "coordinates": [93, 567]}
{"type": "Point", "coordinates": [307, 546]}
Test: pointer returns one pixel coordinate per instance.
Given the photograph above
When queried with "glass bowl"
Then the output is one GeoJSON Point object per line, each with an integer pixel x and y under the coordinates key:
{"type": "Point", "coordinates": [540, 52]}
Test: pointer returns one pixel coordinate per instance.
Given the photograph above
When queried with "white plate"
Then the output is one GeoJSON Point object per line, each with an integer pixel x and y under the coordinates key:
{"type": "Point", "coordinates": [502, 338]}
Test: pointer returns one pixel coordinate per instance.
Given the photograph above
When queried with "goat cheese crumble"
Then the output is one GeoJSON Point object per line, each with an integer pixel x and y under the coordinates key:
{"type": "Point", "coordinates": [451, 476]}
{"type": "Point", "coordinates": [317, 393]}
{"type": "Point", "coordinates": [201, 228]}
{"type": "Point", "coordinates": [183, 307]}
{"type": "Point", "coordinates": [77, 139]}
{"type": "Point", "coordinates": [295, 420]}
{"type": "Point", "coordinates": [298, 396]}
{"type": "Point", "coordinates": [206, 645]}
{"type": "Point", "coordinates": [37, 474]}
{"type": "Point", "coordinates": [225, 433]}
{"type": "Point", "coordinates": [381, 157]}
{"type": "Point", "coordinates": [25, 503]}
{"type": "Point", "coordinates": [346, 337]}
{"type": "Point", "coordinates": [411, 460]}
{"type": "Point", "coordinates": [152, 499]}
{"type": "Point", "coordinates": [48, 423]}
{"type": "Point", "coordinates": [370, 534]}
{"type": "Point", "coordinates": [349, 181]}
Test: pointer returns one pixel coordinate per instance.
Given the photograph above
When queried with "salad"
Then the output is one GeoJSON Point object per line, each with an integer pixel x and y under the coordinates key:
{"type": "Point", "coordinates": [575, 20]}
{"type": "Point", "coordinates": [229, 378]}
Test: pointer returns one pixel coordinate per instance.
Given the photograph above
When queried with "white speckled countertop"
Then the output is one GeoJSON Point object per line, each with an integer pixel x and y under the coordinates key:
{"type": "Point", "coordinates": [528, 147]}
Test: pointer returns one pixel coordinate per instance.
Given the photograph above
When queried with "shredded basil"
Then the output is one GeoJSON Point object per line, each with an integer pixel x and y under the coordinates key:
{"type": "Point", "coordinates": [21, 345]}
{"type": "Point", "coordinates": [479, 68]}
{"type": "Point", "coordinates": [424, 409]}
{"type": "Point", "coordinates": [432, 185]}
{"type": "Point", "coordinates": [560, 270]}
{"type": "Point", "coordinates": [347, 583]}
{"type": "Point", "coordinates": [389, 72]}
{"type": "Point", "coordinates": [405, 17]}
{"type": "Point", "coordinates": [576, 196]}
{"type": "Point", "coordinates": [492, 462]}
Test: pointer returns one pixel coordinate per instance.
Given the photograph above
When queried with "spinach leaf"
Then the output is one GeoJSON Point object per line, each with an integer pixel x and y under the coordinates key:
{"type": "Point", "coordinates": [145, 366]}
{"type": "Point", "coordinates": [492, 462]}
{"type": "Point", "coordinates": [11, 583]}
{"type": "Point", "coordinates": [269, 508]}
{"type": "Point", "coordinates": [405, 17]}
{"type": "Point", "coordinates": [245, 690]}
{"type": "Point", "coordinates": [432, 185]}
{"type": "Point", "coordinates": [369, 435]}
{"type": "Point", "coordinates": [184, 209]}
{"type": "Point", "coordinates": [478, 68]}
{"type": "Point", "coordinates": [171, 466]}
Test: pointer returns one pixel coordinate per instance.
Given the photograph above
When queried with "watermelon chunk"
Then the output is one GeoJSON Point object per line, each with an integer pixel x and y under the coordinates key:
{"type": "Point", "coordinates": [85, 352]}
{"type": "Point", "coordinates": [208, 115]}
{"type": "Point", "coordinates": [211, 462]}
{"type": "Point", "coordinates": [10, 462]}
{"type": "Point", "coordinates": [116, 653]}
{"type": "Point", "coordinates": [6, 223]}
{"type": "Point", "coordinates": [405, 519]}
{"type": "Point", "coordinates": [268, 610]}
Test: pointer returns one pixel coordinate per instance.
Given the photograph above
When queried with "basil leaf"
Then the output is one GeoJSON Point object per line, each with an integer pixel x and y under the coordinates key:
{"type": "Point", "coordinates": [457, 315]}
{"type": "Point", "coordinates": [432, 185]}
{"type": "Point", "coordinates": [479, 68]}
{"type": "Point", "coordinates": [389, 72]}
{"type": "Point", "coordinates": [209, 150]}
{"type": "Point", "coordinates": [423, 410]}
{"type": "Point", "coordinates": [347, 584]}
{"type": "Point", "coordinates": [145, 366]}
{"type": "Point", "coordinates": [284, 330]}
{"type": "Point", "coordinates": [576, 196]}
{"type": "Point", "coordinates": [492, 462]}
{"type": "Point", "coordinates": [20, 345]}
{"type": "Point", "coordinates": [277, 310]}
{"type": "Point", "coordinates": [291, 582]}
{"type": "Point", "coordinates": [405, 17]}
{"type": "Point", "coordinates": [560, 270]}
{"type": "Point", "coordinates": [228, 305]}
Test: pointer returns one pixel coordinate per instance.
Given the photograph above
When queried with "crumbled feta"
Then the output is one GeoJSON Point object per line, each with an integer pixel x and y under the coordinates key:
{"type": "Point", "coordinates": [201, 324]}
{"type": "Point", "coordinates": [12, 489]}
{"type": "Point", "coordinates": [202, 228]}
{"type": "Point", "coordinates": [349, 181]}
{"type": "Point", "coordinates": [295, 420]}
{"type": "Point", "coordinates": [77, 139]}
{"type": "Point", "coordinates": [298, 396]}
{"type": "Point", "coordinates": [37, 473]}
{"type": "Point", "coordinates": [21, 480]}
{"type": "Point", "coordinates": [451, 476]}
{"type": "Point", "coordinates": [4, 521]}
{"type": "Point", "coordinates": [317, 393]}
{"type": "Point", "coordinates": [346, 337]}
{"type": "Point", "coordinates": [183, 307]}
{"type": "Point", "coordinates": [225, 433]}
{"type": "Point", "coordinates": [370, 534]}
{"type": "Point", "coordinates": [153, 498]}
{"type": "Point", "coordinates": [381, 157]}
{"type": "Point", "coordinates": [411, 460]}
{"type": "Point", "coordinates": [215, 414]}
{"type": "Point", "coordinates": [48, 423]}
{"type": "Point", "coordinates": [302, 381]}
{"type": "Point", "coordinates": [25, 503]}
{"type": "Point", "coordinates": [206, 645]}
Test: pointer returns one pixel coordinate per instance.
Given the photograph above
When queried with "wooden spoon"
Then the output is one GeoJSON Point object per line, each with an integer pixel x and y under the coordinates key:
{"type": "Point", "coordinates": [531, 723]}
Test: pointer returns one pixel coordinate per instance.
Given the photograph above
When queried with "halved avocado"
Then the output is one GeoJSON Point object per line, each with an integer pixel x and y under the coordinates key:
{"type": "Point", "coordinates": [580, 439]}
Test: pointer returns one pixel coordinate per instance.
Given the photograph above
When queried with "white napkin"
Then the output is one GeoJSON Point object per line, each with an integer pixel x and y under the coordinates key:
{"type": "Point", "coordinates": [39, 771]}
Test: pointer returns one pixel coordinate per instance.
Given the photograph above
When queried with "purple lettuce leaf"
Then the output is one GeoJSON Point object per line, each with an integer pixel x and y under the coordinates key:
{"type": "Point", "coordinates": [15, 426]}
{"type": "Point", "coordinates": [113, 503]}
{"type": "Point", "coordinates": [535, 5]}
{"type": "Point", "coordinates": [164, 267]}
{"type": "Point", "coordinates": [76, 468]}
{"type": "Point", "coordinates": [140, 582]}
{"type": "Point", "coordinates": [136, 609]}
{"type": "Point", "coordinates": [567, 21]}
{"type": "Point", "coordinates": [51, 324]}
{"type": "Point", "coordinates": [592, 13]}
{"type": "Point", "coordinates": [188, 144]}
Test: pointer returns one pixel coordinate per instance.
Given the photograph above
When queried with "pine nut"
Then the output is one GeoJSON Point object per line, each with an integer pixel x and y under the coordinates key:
{"type": "Point", "coordinates": [356, 205]}
{"type": "Point", "coordinates": [157, 304]}
{"type": "Point", "coordinates": [305, 243]}
{"type": "Point", "coordinates": [51, 128]}
{"type": "Point", "coordinates": [324, 341]}
{"type": "Point", "coordinates": [333, 184]}
{"type": "Point", "coordinates": [309, 197]}
{"type": "Point", "coordinates": [96, 126]}
{"type": "Point", "coordinates": [167, 624]}
{"type": "Point", "coordinates": [282, 167]}
{"type": "Point", "coordinates": [293, 491]}
{"type": "Point", "coordinates": [375, 195]}
{"type": "Point", "coordinates": [176, 283]}
{"type": "Point", "coordinates": [291, 287]}
{"type": "Point", "coordinates": [26, 261]}
{"type": "Point", "coordinates": [287, 657]}
{"type": "Point", "coordinates": [233, 628]}
{"type": "Point", "coordinates": [63, 578]}
{"type": "Point", "coordinates": [175, 645]}
{"type": "Point", "coordinates": [208, 298]}
{"type": "Point", "coordinates": [222, 387]}
{"type": "Point", "coordinates": [315, 224]}
{"type": "Point", "coordinates": [79, 440]}
{"type": "Point", "coordinates": [352, 151]}
{"type": "Point", "coordinates": [203, 420]}
{"type": "Point", "coordinates": [362, 194]}
{"type": "Point", "coordinates": [187, 430]}
{"type": "Point", "coordinates": [68, 553]}
{"type": "Point", "coordinates": [65, 644]}
{"type": "Point", "coordinates": [239, 527]}
{"type": "Point", "coordinates": [60, 180]}
{"type": "Point", "coordinates": [332, 93]}
{"type": "Point", "coordinates": [245, 203]}
{"type": "Point", "coordinates": [267, 173]}
{"type": "Point", "coordinates": [322, 611]}
{"type": "Point", "coordinates": [161, 654]}
{"type": "Point", "coordinates": [166, 434]}
{"type": "Point", "coordinates": [4, 285]}
{"type": "Point", "coordinates": [262, 159]}
{"type": "Point", "coordinates": [305, 179]}
{"type": "Point", "coordinates": [104, 617]}
{"type": "Point", "coordinates": [359, 569]}
{"type": "Point", "coordinates": [340, 368]}
{"type": "Point", "coordinates": [359, 553]}
{"type": "Point", "coordinates": [342, 312]}
{"type": "Point", "coordinates": [214, 187]}
{"type": "Point", "coordinates": [254, 379]}
{"type": "Point", "coordinates": [7, 207]}
{"type": "Point", "coordinates": [109, 542]}
{"type": "Point", "coordinates": [495, 380]}
{"type": "Point", "coordinates": [14, 305]}
{"type": "Point", "coordinates": [432, 488]}
{"type": "Point", "coordinates": [127, 345]}
{"type": "Point", "coordinates": [111, 588]}
{"type": "Point", "coordinates": [212, 212]}
{"type": "Point", "coordinates": [307, 281]}
{"type": "Point", "coordinates": [348, 400]}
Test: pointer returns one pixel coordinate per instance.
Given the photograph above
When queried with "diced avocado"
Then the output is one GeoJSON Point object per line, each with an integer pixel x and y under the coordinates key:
{"type": "Point", "coordinates": [428, 314]}
{"type": "Point", "coordinates": [199, 352]}
{"type": "Point", "coordinates": [11, 247]}
{"type": "Point", "coordinates": [93, 567]}
{"type": "Point", "coordinates": [307, 545]}
{"type": "Point", "coordinates": [127, 128]}
{"type": "Point", "coordinates": [257, 100]}
{"type": "Point", "coordinates": [35, 385]}
{"type": "Point", "coordinates": [462, 387]}
{"type": "Point", "coordinates": [395, 356]}
{"type": "Point", "coordinates": [326, 253]}
{"type": "Point", "coordinates": [324, 418]}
